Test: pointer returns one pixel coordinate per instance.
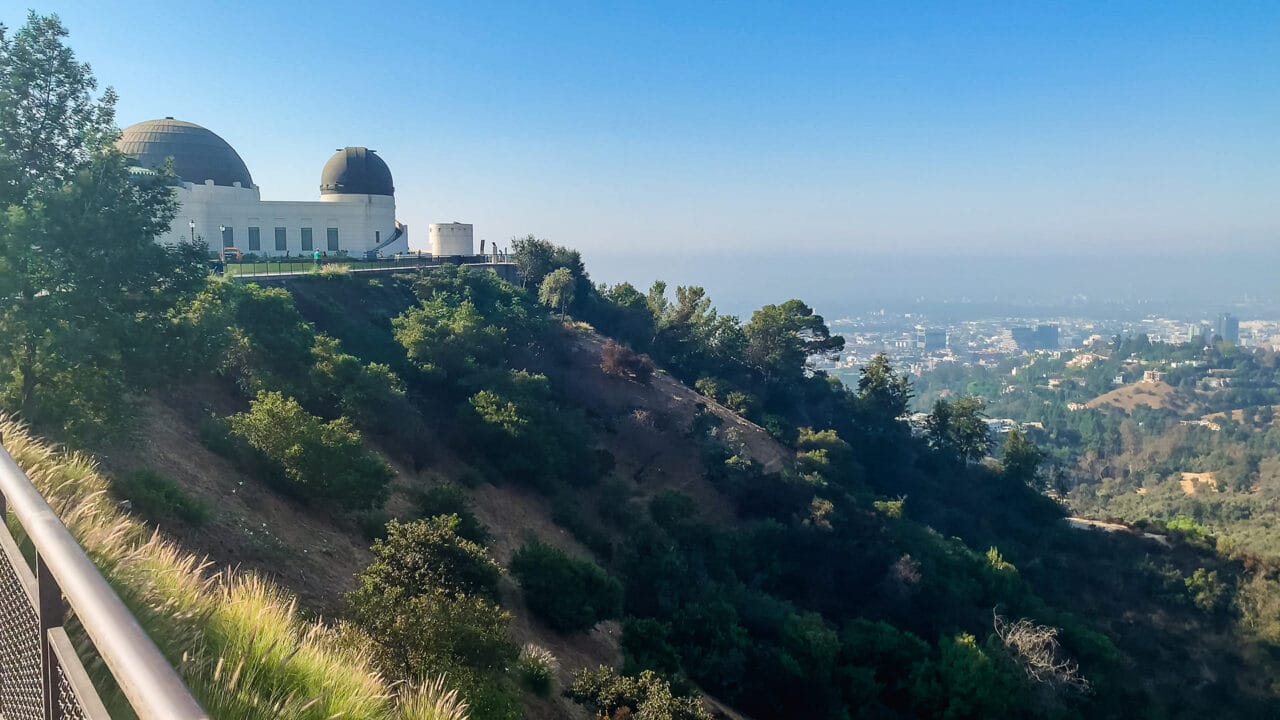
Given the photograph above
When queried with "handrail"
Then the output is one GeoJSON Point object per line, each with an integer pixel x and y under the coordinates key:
{"type": "Point", "coordinates": [64, 571]}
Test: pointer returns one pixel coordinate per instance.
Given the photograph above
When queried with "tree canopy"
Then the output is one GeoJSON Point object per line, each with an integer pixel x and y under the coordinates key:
{"type": "Point", "coordinates": [91, 289]}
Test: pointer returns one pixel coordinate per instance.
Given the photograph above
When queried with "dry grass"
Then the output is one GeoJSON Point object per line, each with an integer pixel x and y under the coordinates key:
{"type": "Point", "coordinates": [237, 640]}
{"type": "Point", "coordinates": [1154, 395]}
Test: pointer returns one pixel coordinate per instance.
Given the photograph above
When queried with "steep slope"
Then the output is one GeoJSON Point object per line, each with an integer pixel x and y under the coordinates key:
{"type": "Point", "coordinates": [317, 555]}
{"type": "Point", "coordinates": [797, 572]}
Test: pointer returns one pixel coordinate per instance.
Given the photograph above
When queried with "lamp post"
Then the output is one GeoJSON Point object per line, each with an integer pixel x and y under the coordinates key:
{"type": "Point", "coordinates": [192, 225]}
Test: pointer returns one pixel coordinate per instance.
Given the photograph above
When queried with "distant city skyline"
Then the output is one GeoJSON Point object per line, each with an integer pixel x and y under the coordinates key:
{"type": "Point", "coordinates": [665, 130]}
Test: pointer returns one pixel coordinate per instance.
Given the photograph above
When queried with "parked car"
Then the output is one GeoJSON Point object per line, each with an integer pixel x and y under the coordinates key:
{"type": "Point", "coordinates": [231, 254]}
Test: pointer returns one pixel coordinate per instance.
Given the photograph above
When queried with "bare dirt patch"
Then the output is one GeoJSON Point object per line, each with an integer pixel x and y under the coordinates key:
{"type": "Point", "coordinates": [1191, 482]}
{"type": "Point", "coordinates": [251, 526]}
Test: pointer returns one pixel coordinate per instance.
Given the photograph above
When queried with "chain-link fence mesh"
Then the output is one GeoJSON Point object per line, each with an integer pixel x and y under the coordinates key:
{"type": "Point", "coordinates": [21, 689]}
{"type": "Point", "coordinates": [19, 643]}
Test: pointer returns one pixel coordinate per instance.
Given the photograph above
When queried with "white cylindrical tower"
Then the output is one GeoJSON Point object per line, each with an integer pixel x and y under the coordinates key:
{"type": "Point", "coordinates": [450, 239]}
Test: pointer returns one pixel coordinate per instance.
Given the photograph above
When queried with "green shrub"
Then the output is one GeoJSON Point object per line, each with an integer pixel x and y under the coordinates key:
{"type": "Point", "coordinates": [1187, 527]}
{"type": "Point", "coordinates": [671, 507]}
{"type": "Point", "coordinates": [449, 499]}
{"type": "Point", "coordinates": [647, 696]}
{"type": "Point", "coordinates": [157, 497]}
{"type": "Point", "coordinates": [215, 435]}
{"type": "Point", "coordinates": [1207, 591]}
{"type": "Point", "coordinates": [647, 645]}
{"type": "Point", "coordinates": [567, 593]}
{"type": "Point", "coordinates": [318, 460]}
{"type": "Point", "coordinates": [427, 555]}
{"type": "Point", "coordinates": [427, 603]}
{"type": "Point", "coordinates": [373, 523]}
{"type": "Point", "coordinates": [537, 669]}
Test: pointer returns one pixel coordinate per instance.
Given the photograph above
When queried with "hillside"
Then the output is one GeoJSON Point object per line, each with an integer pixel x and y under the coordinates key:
{"type": "Point", "coordinates": [318, 556]}
{"type": "Point", "coordinates": [1157, 396]}
{"type": "Point", "coordinates": [756, 508]}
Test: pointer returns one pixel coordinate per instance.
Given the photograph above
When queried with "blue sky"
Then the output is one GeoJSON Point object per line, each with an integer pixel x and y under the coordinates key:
{"type": "Point", "coordinates": [673, 130]}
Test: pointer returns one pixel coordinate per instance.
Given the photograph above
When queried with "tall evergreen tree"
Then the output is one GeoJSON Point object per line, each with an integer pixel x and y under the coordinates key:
{"type": "Point", "coordinates": [87, 289]}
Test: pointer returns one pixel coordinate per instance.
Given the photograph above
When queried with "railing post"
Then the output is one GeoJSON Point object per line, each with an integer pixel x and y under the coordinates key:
{"type": "Point", "coordinates": [53, 613]}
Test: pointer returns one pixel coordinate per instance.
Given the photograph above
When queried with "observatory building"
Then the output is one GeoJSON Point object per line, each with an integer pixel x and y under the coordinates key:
{"type": "Point", "coordinates": [219, 202]}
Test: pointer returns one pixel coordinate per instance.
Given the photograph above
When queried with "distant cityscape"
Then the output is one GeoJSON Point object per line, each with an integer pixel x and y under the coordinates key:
{"type": "Point", "coordinates": [915, 345]}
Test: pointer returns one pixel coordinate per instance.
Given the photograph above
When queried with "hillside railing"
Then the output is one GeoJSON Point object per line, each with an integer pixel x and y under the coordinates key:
{"type": "Point", "coordinates": [41, 674]}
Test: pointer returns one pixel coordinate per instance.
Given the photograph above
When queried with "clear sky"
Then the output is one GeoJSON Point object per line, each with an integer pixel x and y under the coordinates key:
{"type": "Point", "coordinates": [676, 129]}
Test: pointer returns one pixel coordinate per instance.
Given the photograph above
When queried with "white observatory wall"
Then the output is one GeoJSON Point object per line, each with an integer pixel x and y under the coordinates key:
{"type": "Point", "coordinates": [450, 239]}
{"type": "Point", "coordinates": [362, 220]}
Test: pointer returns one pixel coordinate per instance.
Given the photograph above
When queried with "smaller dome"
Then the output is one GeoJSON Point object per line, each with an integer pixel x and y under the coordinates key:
{"type": "Point", "coordinates": [356, 171]}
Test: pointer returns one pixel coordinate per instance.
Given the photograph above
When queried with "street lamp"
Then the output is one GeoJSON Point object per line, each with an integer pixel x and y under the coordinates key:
{"type": "Point", "coordinates": [192, 225]}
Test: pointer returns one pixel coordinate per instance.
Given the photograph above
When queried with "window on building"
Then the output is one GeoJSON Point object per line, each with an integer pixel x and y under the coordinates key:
{"type": "Point", "coordinates": [228, 236]}
{"type": "Point", "coordinates": [281, 243]}
{"type": "Point", "coordinates": [333, 239]}
{"type": "Point", "coordinates": [307, 245]}
{"type": "Point", "coordinates": [255, 239]}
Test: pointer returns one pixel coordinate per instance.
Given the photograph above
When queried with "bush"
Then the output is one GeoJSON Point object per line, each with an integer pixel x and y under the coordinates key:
{"type": "Point", "coordinates": [568, 594]}
{"type": "Point", "coordinates": [671, 507]}
{"type": "Point", "coordinates": [318, 460]}
{"type": "Point", "coordinates": [537, 669]}
{"type": "Point", "coordinates": [157, 497]}
{"type": "Point", "coordinates": [1207, 591]}
{"type": "Point", "coordinates": [648, 696]}
{"type": "Point", "coordinates": [621, 361]}
{"type": "Point", "coordinates": [449, 499]}
{"type": "Point", "coordinates": [427, 603]}
{"type": "Point", "coordinates": [647, 645]}
{"type": "Point", "coordinates": [427, 555]}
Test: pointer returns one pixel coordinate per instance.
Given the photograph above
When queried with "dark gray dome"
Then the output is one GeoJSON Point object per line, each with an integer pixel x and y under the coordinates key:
{"type": "Point", "coordinates": [198, 154]}
{"type": "Point", "coordinates": [356, 171]}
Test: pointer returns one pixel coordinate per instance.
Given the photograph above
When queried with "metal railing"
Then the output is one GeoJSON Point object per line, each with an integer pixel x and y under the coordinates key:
{"type": "Point", "coordinates": [277, 266]}
{"type": "Point", "coordinates": [41, 676]}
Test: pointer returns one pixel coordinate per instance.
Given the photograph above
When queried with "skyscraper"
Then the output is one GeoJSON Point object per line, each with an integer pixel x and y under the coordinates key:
{"type": "Point", "coordinates": [1229, 328]}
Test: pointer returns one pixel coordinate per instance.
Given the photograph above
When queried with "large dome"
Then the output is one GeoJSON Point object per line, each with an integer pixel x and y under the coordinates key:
{"type": "Point", "coordinates": [356, 171]}
{"type": "Point", "coordinates": [198, 154]}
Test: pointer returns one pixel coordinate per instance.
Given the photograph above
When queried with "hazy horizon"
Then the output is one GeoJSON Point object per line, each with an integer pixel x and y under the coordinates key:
{"type": "Point", "coordinates": [839, 284]}
{"type": "Point", "coordinates": [964, 129]}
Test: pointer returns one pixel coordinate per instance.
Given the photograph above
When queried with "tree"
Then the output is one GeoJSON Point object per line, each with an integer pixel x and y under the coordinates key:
{"type": "Point", "coordinates": [557, 290]}
{"type": "Point", "coordinates": [1021, 459]}
{"type": "Point", "coordinates": [780, 338]}
{"type": "Point", "coordinates": [536, 258]}
{"type": "Point", "coordinates": [427, 555]}
{"type": "Point", "coordinates": [50, 124]}
{"type": "Point", "coordinates": [427, 603]}
{"type": "Point", "coordinates": [1037, 650]}
{"type": "Point", "coordinates": [569, 594]}
{"type": "Point", "coordinates": [958, 428]}
{"type": "Point", "coordinates": [319, 460]}
{"type": "Point", "coordinates": [450, 342]}
{"type": "Point", "coordinates": [90, 288]}
{"type": "Point", "coordinates": [883, 394]}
